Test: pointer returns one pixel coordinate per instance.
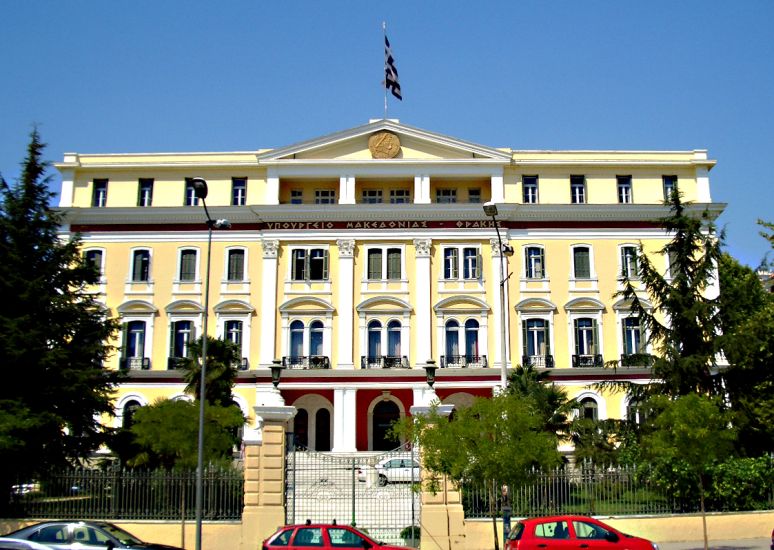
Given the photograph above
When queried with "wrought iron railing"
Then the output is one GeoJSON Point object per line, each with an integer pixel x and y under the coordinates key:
{"type": "Point", "coordinates": [135, 363]}
{"type": "Point", "coordinates": [306, 362]}
{"type": "Point", "coordinates": [176, 362]}
{"type": "Point", "coordinates": [637, 360]}
{"type": "Point", "coordinates": [116, 493]}
{"type": "Point", "coordinates": [384, 362]}
{"type": "Point", "coordinates": [463, 361]}
{"type": "Point", "coordinates": [538, 361]}
{"type": "Point", "coordinates": [581, 361]}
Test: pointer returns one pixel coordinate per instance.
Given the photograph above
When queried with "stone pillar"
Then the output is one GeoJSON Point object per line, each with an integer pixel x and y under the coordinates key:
{"type": "Point", "coordinates": [422, 189]}
{"type": "Point", "coordinates": [344, 420]}
{"type": "Point", "coordinates": [498, 188]}
{"type": "Point", "coordinates": [272, 187]}
{"type": "Point", "coordinates": [422, 301]}
{"type": "Point", "coordinates": [264, 466]}
{"type": "Point", "coordinates": [347, 190]}
{"type": "Point", "coordinates": [268, 303]}
{"type": "Point", "coordinates": [496, 305]}
{"type": "Point", "coordinates": [346, 288]}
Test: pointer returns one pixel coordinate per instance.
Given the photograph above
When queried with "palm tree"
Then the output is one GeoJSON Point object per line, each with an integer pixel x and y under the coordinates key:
{"type": "Point", "coordinates": [222, 360]}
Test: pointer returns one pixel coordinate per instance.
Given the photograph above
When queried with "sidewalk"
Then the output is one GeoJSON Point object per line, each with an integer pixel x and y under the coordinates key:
{"type": "Point", "coordinates": [743, 544]}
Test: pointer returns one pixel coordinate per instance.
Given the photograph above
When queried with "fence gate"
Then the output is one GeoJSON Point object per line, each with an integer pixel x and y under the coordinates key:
{"type": "Point", "coordinates": [376, 492]}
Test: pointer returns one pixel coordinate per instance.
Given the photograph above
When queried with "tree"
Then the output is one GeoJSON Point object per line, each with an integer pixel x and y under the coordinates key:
{"type": "Point", "coordinates": [500, 439]}
{"type": "Point", "coordinates": [550, 400]}
{"type": "Point", "coordinates": [53, 334]}
{"type": "Point", "coordinates": [768, 236]}
{"type": "Point", "coordinates": [222, 358]}
{"type": "Point", "coordinates": [691, 434]}
{"type": "Point", "coordinates": [167, 434]}
{"type": "Point", "coordinates": [683, 324]}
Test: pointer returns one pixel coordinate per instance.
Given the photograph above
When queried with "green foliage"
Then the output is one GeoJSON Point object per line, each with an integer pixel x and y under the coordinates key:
{"type": "Point", "coordinates": [768, 236]}
{"type": "Point", "coordinates": [167, 434]}
{"type": "Point", "coordinates": [687, 343]}
{"type": "Point", "coordinates": [53, 333]}
{"type": "Point", "coordinates": [550, 400]}
{"type": "Point", "coordinates": [222, 360]}
{"type": "Point", "coordinates": [742, 484]}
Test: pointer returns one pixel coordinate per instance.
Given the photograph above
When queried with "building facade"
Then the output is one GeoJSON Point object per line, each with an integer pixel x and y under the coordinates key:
{"type": "Point", "coordinates": [358, 257]}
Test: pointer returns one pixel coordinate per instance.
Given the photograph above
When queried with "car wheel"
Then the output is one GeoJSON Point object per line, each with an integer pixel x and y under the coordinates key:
{"type": "Point", "coordinates": [382, 480]}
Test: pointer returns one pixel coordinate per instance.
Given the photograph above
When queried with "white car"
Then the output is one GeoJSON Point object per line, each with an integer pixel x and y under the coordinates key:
{"type": "Point", "coordinates": [393, 470]}
{"type": "Point", "coordinates": [18, 544]}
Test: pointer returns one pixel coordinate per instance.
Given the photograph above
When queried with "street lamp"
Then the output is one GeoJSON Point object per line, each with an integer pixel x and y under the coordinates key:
{"type": "Point", "coordinates": [200, 191]}
{"type": "Point", "coordinates": [506, 250]}
{"type": "Point", "coordinates": [430, 369]}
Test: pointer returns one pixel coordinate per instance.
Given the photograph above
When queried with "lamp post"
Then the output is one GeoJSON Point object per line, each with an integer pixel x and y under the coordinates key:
{"type": "Point", "coordinates": [506, 250]}
{"type": "Point", "coordinates": [200, 190]}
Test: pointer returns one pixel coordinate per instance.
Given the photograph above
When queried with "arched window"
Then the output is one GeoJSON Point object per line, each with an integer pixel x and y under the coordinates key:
{"type": "Point", "coordinates": [393, 338]}
{"type": "Point", "coordinates": [589, 408]}
{"type": "Point", "coordinates": [316, 338]}
{"type": "Point", "coordinates": [301, 428]}
{"type": "Point", "coordinates": [296, 339]}
{"type": "Point", "coordinates": [452, 338]}
{"type": "Point", "coordinates": [384, 415]}
{"type": "Point", "coordinates": [374, 340]}
{"type": "Point", "coordinates": [471, 339]}
{"type": "Point", "coordinates": [128, 413]}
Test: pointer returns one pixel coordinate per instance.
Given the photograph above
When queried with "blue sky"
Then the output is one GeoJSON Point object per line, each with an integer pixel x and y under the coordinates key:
{"type": "Point", "coordinates": [240, 75]}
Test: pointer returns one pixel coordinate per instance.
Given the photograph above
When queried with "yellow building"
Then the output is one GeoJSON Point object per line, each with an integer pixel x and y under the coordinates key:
{"type": "Point", "coordinates": [357, 257]}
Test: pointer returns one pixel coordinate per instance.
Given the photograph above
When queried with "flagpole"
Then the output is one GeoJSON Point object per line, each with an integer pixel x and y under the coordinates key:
{"type": "Point", "coordinates": [384, 73]}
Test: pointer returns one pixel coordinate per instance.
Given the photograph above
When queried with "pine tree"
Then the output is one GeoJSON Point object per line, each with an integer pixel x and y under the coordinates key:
{"type": "Point", "coordinates": [53, 334]}
{"type": "Point", "coordinates": [683, 324]}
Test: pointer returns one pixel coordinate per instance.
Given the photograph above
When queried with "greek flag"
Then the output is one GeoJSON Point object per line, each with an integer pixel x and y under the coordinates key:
{"type": "Point", "coordinates": [390, 72]}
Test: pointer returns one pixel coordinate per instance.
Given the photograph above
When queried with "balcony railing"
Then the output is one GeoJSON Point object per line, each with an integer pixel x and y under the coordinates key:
{"type": "Point", "coordinates": [637, 360]}
{"type": "Point", "coordinates": [244, 364]}
{"type": "Point", "coordinates": [384, 362]}
{"type": "Point", "coordinates": [583, 361]}
{"type": "Point", "coordinates": [176, 362]}
{"type": "Point", "coordinates": [306, 362]}
{"type": "Point", "coordinates": [463, 361]}
{"type": "Point", "coordinates": [538, 361]}
{"type": "Point", "coordinates": [135, 363]}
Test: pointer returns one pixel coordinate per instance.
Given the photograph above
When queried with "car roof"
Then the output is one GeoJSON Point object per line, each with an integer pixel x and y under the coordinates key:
{"type": "Point", "coordinates": [554, 518]}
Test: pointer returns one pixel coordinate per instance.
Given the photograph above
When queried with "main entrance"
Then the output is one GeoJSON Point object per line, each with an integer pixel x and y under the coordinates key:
{"type": "Point", "coordinates": [376, 492]}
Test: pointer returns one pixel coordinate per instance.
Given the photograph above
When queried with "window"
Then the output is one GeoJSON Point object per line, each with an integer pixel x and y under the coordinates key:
{"type": "Point", "coordinates": [134, 344]}
{"type": "Point", "coordinates": [375, 264]}
{"type": "Point", "coordinates": [589, 408]}
{"type": "Point", "coordinates": [471, 263]}
{"type": "Point", "coordinates": [187, 265]}
{"type": "Point", "coordinates": [325, 196]}
{"type": "Point", "coordinates": [393, 338]}
{"type": "Point", "coordinates": [99, 197]}
{"type": "Point", "coordinates": [190, 198]}
{"type": "Point", "coordinates": [372, 196]}
{"type": "Point", "coordinates": [581, 262]}
{"type": "Point", "coordinates": [536, 341]}
{"type": "Point", "coordinates": [296, 196]}
{"type": "Point", "coordinates": [400, 196]}
{"type": "Point", "coordinates": [308, 536]}
{"type": "Point", "coordinates": [309, 264]}
{"type": "Point", "coordinates": [471, 339]}
{"type": "Point", "coordinates": [446, 196]}
{"type": "Point", "coordinates": [374, 340]}
{"type": "Point", "coordinates": [238, 191]}
{"type": "Point", "coordinates": [578, 189]}
{"type": "Point", "coordinates": [624, 189]}
{"type": "Point", "coordinates": [236, 265]}
{"type": "Point", "coordinates": [344, 538]}
{"type": "Point", "coordinates": [629, 262]}
{"type": "Point", "coordinates": [552, 530]}
{"type": "Point", "coordinates": [585, 340]}
{"type": "Point", "coordinates": [182, 336]}
{"type": "Point", "coordinates": [316, 338]}
{"type": "Point", "coordinates": [670, 185]}
{"type": "Point", "coordinates": [233, 332]}
{"type": "Point", "coordinates": [296, 339]}
{"type": "Point", "coordinates": [393, 264]}
{"type": "Point", "coordinates": [530, 189]}
{"type": "Point", "coordinates": [377, 267]}
{"type": "Point", "coordinates": [94, 258]}
{"type": "Point", "coordinates": [586, 530]}
{"type": "Point", "coordinates": [534, 263]}
{"type": "Point", "coordinates": [452, 340]}
{"type": "Point", "coordinates": [127, 418]}
{"type": "Point", "coordinates": [474, 196]}
{"type": "Point", "coordinates": [145, 192]}
{"type": "Point", "coordinates": [632, 336]}
{"type": "Point", "coordinates": [140, 266]}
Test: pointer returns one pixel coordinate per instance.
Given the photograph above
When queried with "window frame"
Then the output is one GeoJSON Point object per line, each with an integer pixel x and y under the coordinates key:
{"type": "Point", "coordinates": [101, 265]}
{"type": "Point", "coordinates": [529, 189]}
{"type": "Point", "coordinates": [400, 196]}
{"type": "Point", "coordinates": [227, 268]}
{"type": "Point", "coordinates": [629, 269]}
{"type": "Point", "coordinates": [578, 193]}
{"type": "Point", "coordinates": [575, 249]}
{"type": "Point", "coordinates": [180, 259]}
{"type": "Point", "coordinates": [446, 195]}
{"type": "Point", "coordinates": [371, 196]}
{"type": "Point", "coordinates": [669, 183]}
{"type": "Point", "coordinates": [99, 192]}
{"type": "Point", "coordinates": [307, 264]}
{"type": "Point", "coordinates": [189, 193]}
{"type": "Point", "coordinates": [325, 196]}
{"type": "Point", "coordinates": [238, 191]}
{"type": "Point", "coordinates": [146, 271]}
{"type": "Point", "coordinates": [624, 189]}
{"type": "Point", "coordinates": [458, 263]}
{"type": "Point", "coordinates": [145, 191]}
{"type": "Point", "coordinates": [530, 271]}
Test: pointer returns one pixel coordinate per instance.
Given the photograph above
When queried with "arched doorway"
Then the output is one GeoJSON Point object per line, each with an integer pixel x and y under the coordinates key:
{"type": "Point", "coordinates": [385, 414]}
{"type": "Point", "coordinates": [322, 430]}
{"type": "Point", "coordinates": [301, 428]}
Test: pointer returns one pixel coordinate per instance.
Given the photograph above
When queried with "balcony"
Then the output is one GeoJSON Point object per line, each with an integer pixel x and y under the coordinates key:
{"type": "Point", "coordinates": [174, 363]}
{"type": "Point", "coordinates": [637, 360]}
{"type": "Point", "coordinates": [538, 361]}
{"type": "Point", "coordinates": [135, 363]}
{"type": "Point", "coordinates": [463, 361]}
{"type": "Point", "coordinates": [384, 362]}
{"type": "Point", "coordinates": [306, 362]}
{"type": "Point", "coordinates": [587, 361]}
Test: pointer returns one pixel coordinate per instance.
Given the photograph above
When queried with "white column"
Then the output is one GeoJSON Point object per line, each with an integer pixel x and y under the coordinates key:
{"type": "Point", "coordinates": [68, 177]}
{"type": "Point", "coordinates": [702, 185]}
{"type": "Point", "coordinates": [344, 420]}
{"type": "Point", "coordinates": [423, 350]}
{"type": "Point", "coordinates": [494, 355]}
{"type": "Point", "coordinates": [347, 190]}
{"type": "Point", "coordinates": [345, 277]}
{"type": "Point", "coordinates": [268, 303]}
{"type": "Point", "coordinates": [498, 188]}
{"type": "Point", "coordinates": [422, 189]}
{"type": "Point", "coordinates": [272, 187]}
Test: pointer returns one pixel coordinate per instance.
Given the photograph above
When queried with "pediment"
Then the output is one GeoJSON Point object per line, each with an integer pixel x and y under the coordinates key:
{"type": "Point", "coordinates": [353, 146]}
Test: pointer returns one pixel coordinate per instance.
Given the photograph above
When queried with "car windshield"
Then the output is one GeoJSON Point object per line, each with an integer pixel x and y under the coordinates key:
{"type": "Point", "coordinates": [120, 534]}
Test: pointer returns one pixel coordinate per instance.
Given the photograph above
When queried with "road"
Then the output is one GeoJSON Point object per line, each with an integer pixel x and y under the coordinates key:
{"type": "Point", "coordinates": [743, 544]}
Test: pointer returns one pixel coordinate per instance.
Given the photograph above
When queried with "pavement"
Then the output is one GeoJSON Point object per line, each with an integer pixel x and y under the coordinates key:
{"type": "Point", "coordinates": [743, 544]}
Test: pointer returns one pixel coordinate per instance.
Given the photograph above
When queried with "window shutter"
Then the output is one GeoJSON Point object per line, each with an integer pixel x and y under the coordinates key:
{"type": "Point", "coordinates": [582, 270]}
{"type": "Point", "coordinates": [393, 263]}
{"type": "Point", "coordinates": [577, 337]}
{"type": "Point", "coordinates": [524, 336]}
{"type": "Point", "coordinates": [325, 265]}
{"type": "Point", "coordinates": [547, 326]}
{"type": "Point", "coordinates": [375, 263]}
{"type": "Point", "coordinates": [595, 338]}
{"type": "Point", "coordinates": [539, 265]}
{"type": "Point", "coordinates": [172, 338]}
{"type": "Point", "coordinates": [124, 338]}
{"type": "Point", "coordinates": [192, 339]}
{"type": "Point", "coordinates": [479, 262]}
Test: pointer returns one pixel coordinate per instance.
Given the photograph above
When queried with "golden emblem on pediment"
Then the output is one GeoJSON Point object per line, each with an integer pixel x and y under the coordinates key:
{"type": "Point", "coordinates": [384, 145]}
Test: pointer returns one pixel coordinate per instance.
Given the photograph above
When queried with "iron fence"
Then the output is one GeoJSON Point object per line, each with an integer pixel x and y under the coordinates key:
{"type": "Point", "coordinates": [587, 491]}
{"type": "Point", "coordinates": [117, 493]}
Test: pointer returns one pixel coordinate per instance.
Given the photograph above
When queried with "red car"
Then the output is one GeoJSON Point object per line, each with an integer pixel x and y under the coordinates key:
{"type": "Point", "coordinates": [571, 532]}
{"type": "Point", "coordinates": [323, 536]}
